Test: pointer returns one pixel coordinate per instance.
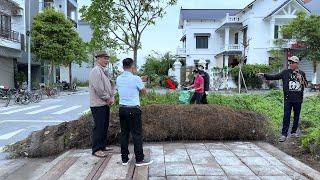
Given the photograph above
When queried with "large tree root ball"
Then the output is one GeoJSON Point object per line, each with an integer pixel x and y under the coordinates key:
{"type": "Point", "coordinates": [160, 123]}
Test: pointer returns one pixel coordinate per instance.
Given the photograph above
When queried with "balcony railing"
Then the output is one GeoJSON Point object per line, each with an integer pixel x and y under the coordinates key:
{"type": "Point", "coordinates": [232, 47]}
{"type": "Point", "coordinates": [230, 19]}
{"type": "Point", "coordinates": [283, 43]}
{"type": "Point", "coordinates": [10, 35]}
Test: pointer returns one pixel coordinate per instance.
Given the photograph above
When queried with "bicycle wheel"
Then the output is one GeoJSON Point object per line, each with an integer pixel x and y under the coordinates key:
{"type": "Point", "coordinates": [26, 98]}
{"type": "Point", "coordinates": [5, 99]}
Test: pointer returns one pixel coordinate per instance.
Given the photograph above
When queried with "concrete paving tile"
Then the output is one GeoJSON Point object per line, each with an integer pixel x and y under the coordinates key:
{"type": "Point", "coordinates": [243, 178]}
{"type": "Point", "coordinates": [179, 169]}
{"type": "Point", "coordinates": [262, 153]}
{"type": "Point", "coordinates": [254, 161]}
{"type": "Point", "coordinates": [156, 151]}
{"type": "Point", "coordinates": [291, 173]}
{"type": "Point", "coordinates": [157, 158]}
{"type": "Point", "coordinates": [243, 146]}
{"type": "Point", "coordinates": [203, 159]}
{"type": "Point", "coordinates": [267, 171]}
{"type": "Point", "coordinates": [275, 178]}
{"type": "Point", "coordinates": [216, 146]}
{"type": "Point", "coordinates": [114, 169]}
{"type": "Point", "coordinates": [228, 161]}
{"type": "Point", "coordinates": [221, 152]}
{"type": "Point", "coordinates": [197, 151]}
{"type": "Point", "coordinates": [208, 170]}
{"type": "Point", "coordinates": [237, 171]}
{"type": "Point", "coordinates": [176, 155]}
{"type": "Point", "coordinates": [157, 169]}
{"type": "Point", "coordinates": [85, 163]}
{"type": "Point", "coordinates": [212, 178]}
{"type": "Point", "coordinates": [182, 178]}
{"type": "Point", "coordinates": [246, 152]}
{"type": "Point", "coordinates": [274, 161]}
{"type": "Point", "coordinates": [174, 146]}
{"type": "Point", "coordinates": [196, 146]}
{"type": "Point", "coordinates": [157, 178]}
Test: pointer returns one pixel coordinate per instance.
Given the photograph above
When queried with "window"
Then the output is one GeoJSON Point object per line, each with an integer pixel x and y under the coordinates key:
{"type": "Point", "coordinates": [245, 36]}
{"type": "Point", "coordinates": [236, 38]}
{"type": "Point", "coordinates": [202, 42]}
{"type": "Point", "coordinates": [276, 32]}
{"type": "Point", "coordinates": [5, 22]}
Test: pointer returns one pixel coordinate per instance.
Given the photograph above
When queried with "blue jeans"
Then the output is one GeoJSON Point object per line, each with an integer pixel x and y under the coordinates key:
{"type": "Point", "coordinates": [288, 106]}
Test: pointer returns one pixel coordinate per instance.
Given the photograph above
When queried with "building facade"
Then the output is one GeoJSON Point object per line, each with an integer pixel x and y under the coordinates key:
{"type": "Point", "coordinates": [70, 9]}
{"type": "Point", "coordinates": [223, 36]}
{"type": "Point", "coordinates": [12, 41]}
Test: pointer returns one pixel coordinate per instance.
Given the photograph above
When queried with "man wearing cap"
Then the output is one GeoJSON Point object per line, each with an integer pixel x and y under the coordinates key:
{"type": "Point", "coordinates": [294, 82]}
{"type": "Point", "coordinates": [206, 78]}
{"type": "Point", "coordinates": [101, 98]}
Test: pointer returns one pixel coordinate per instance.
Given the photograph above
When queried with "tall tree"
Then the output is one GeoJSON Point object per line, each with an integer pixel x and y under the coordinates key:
{"type": "Point", "coordinates": [306, 30]}
{"type": "Point", "coordinates": [54, 39]}
{"type": "Point", "coordinates": [120, 24]}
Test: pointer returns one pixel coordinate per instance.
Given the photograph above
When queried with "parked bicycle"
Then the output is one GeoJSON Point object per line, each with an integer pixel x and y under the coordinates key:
{"type": "Point", "coordinates": [5, 96]}
{"type": "Point", "coordinates": [48, 91]}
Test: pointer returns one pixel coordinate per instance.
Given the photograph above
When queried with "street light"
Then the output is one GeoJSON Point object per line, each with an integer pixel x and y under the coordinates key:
{"type": "Point", "coordinates": [29, 49]}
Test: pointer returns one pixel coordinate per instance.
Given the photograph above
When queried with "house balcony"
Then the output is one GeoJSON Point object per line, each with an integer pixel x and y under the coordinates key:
{"type": "Point", "coordinates": [231, 47]}
{"type": "Point", "coordinates": [181, 52]}
{"type": "Point", "coordinates": [11, 39]}
{"type": "Point", "coordinates": [230, 19]}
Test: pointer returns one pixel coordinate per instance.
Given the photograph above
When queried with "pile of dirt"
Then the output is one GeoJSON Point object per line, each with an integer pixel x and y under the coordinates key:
{"type": "Point", "coordinates": [160, 123]}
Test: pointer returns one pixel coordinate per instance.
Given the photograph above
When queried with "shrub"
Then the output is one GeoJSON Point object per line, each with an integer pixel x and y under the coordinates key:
{"type": "Point", "coordinates": [311, 141]}
{"type": "Point", "coordinates": [249, 73]}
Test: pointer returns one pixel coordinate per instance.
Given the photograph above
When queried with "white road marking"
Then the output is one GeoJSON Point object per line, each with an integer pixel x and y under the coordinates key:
{"type": "Point", "coordinates": [44, 109]}
{"type": "Point", "coordinates": [85, 112]}
{"type": "Point", "coordinates": [19, 110]}
{"type": "Point", "coordinates": [8, 108]}
{"type": "Point", "coordinates": [10, 134]}
{"type": "Point", "coordinates": [66, 110]}
{"type": "Point", "coordinates": [30, 121]}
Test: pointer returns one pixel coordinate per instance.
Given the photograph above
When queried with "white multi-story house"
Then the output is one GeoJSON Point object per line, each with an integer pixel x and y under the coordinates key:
{"type": "Point", "coordinates": [12, 39]}
{"type": "Point", "coordinates": [67, 7]}
{"type": "Point", "coordinates": [219, 35]}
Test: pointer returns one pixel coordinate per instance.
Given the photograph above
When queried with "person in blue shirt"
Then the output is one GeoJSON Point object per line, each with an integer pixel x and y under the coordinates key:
{"type": "Point", "coordinates": [130, 87]}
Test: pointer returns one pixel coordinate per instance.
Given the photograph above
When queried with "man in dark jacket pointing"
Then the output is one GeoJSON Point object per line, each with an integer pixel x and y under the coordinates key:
{"type": "Point", "coordinates": [294, 82]}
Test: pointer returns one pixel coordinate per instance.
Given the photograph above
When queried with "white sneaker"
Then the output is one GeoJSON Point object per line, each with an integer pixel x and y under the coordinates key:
{"type": "Point", "coordinates": [282, 138]}
{"type": "Point", "coordinates": [295, 135]}
{"type": "Point", "coordinates": [125, 163]}
{"type": "Point", "coordinates": [144, 163]}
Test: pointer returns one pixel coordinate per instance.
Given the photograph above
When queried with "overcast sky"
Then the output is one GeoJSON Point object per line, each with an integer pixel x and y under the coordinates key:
{"type": "Point", "coordinates": [165, 35]}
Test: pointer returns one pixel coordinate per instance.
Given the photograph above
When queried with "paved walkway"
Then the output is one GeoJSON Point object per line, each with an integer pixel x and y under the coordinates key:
{"type": "Point", "coordinates": [217, 160]}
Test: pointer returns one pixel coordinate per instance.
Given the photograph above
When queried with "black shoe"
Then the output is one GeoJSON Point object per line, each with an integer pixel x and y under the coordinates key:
{"type": "Point", "coordinates": [144, 163]}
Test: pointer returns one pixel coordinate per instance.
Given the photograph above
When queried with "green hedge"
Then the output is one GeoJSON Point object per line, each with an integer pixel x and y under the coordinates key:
{"type": "Point", "coordinates": [249, 72]}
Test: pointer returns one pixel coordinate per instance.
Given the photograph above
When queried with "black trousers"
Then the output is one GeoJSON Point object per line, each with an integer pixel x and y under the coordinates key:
{"type": "Point", "coordinates": [196, 98]}
{"type": "Point", "coordinates": [288, 106]}
{"type": "Point", "coordinates": [100, 128]}
{"type": "Point", "coordinates": [204, 99]}
{"type": "Point", "coordinates": [130, 122]}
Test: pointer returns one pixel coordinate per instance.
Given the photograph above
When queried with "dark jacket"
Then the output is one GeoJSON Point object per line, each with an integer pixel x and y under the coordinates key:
{"type": "Point", "coordinates": [292, 87]}
{"type": "Point", "coordinates": [206, 79]}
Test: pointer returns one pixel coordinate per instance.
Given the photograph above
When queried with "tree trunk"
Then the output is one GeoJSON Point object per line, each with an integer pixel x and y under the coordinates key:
{"type": "Point", "coordinates": [70, 74]}
{"type": "Point", "coordinates": [50, 75]}
{"type": "Point", "coordinates": [135, 56]}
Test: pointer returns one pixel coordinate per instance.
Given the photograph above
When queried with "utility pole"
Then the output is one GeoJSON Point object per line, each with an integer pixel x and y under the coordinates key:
{"type": "Point", "coordinates": [29, 47]}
